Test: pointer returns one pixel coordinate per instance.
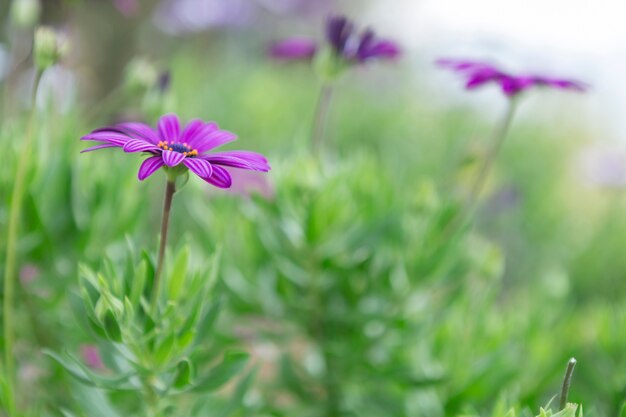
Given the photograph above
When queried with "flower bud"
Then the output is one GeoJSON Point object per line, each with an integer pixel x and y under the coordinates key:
{"type": "Point", "coordinates": [141, 74]}
{"type": "Point", "coordinates": [49, 48]}
{"type": "Point", "coordinates": [25, 13]}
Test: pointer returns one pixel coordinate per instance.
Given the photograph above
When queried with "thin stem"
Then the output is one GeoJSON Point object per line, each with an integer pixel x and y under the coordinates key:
{"type": "Point", "coordinates": [499, 135]}
{"type": "Point", "coordinates": [321, 117]}
{"type": "Point", "coordinates": [567, 380]}
{"type": "Point", "coordinates": [10, 267]}
{"type": "Point", "coordinates": [170, 189]}
{"type": "Point", "coordinates": [498, 139]}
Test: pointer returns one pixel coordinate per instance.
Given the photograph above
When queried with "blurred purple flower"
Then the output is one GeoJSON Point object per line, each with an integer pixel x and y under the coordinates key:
{"type": "Point", "coordinates": [91, 356]}
{"type": "Point", "coordinates": [294, 48]}
{"type": "Point", "coordinates": [345, 42]}
{"type": "Point", "coordinates": [128, 8]}
{"type": "Point", "coordinates": [603, 166]}
{"type": "Point", "coordinates": [478, 73]}
{"type": "Point", "coordinates": [187, 16]}
{"type": "Point", "coordinates": [169, 147]}
{"type": "Point", "coordinates": [29, 273]}
{"type": "Point", "coordinates": [248, 183]}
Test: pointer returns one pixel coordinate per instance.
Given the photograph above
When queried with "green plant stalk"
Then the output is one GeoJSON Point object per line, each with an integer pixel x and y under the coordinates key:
{"type": "Point", "coordinates": [170, 189]}
{"type": "Point", "coordinates": [321, 117]}
{"type": "Point", "coordinates": [498, 139]}
{"type": "Point", "coordinates": [10, 268]}
{"type": "Point", "coordinates": [567, 380]}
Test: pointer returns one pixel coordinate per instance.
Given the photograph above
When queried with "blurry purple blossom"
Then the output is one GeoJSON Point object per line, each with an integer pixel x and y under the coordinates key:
{"type": "Point", "coordinates": [29, 273]}
{"type": "Point", "coordinates": [603, 166]}
{"type": "Point", "coordinates": [91, 356]}
{"type": "Point", "coordinates": [178, 17]}
{"type": "Point", "coordinates": [344, 41]}
{"type": "Point", "coordinates": [248, 183]}
{"type": "Point", "coordinates": [128, 8]}
{"type": "Point", "coordinates": [478, 73]}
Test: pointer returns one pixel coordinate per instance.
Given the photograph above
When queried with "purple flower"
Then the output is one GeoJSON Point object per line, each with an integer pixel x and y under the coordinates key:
{"type": "Point", "coordinates": [478, 74]}
{"type": "Point", "coordinates": [91, 356]}
{"type": "Point", "coordinates": [344, 41]}
{"type": "Point", "coordinates": [169, 147]}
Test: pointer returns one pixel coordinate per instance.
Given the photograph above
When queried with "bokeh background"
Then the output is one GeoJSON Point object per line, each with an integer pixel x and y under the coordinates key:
{"type": "Point", "coordinates": [415, 324]}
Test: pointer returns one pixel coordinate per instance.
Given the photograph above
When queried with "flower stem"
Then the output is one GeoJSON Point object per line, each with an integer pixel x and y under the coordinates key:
{"type": "Point", "coordinates": [321, 117]}
{"type": "Point", "coordinates": [170, 189]}
{"type": "Point", "coordinates": [10, 276]}
{"type": "Point", "coordinates": [497, 141]}
{"type": "Point", "coordinates": [567, 380]}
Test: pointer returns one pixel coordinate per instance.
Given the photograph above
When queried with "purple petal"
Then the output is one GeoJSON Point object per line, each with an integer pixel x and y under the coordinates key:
{"type": "Point", "coordinates": [384, 50]}
{"type": "Point", "coordinates": [139, 145]}
{"type": "Point", "coordinates": [172, 158]}
{"type": "Point", "coordinates": [93, 148]}
{"type": "Point", "coordinates": [139, 131]}
{"type": "Point", "coordinates": [107, 136]}
{"type": "Point", "coordinates": [214, 140]}
{"type": "Point", "coordinates": [295, 48]}
{"type": "Point", "coordinates": [240, 159]}
{"type": "Point", "coordinates": [197, 131]}
{"type": "Point", "coordinates": [338, 30]}
{"type": "Point", "coordinates": [169, 128]}
{"type": "Point", "coordinates": [200, 167]}
{"type": "Point", "coordinates": [220, 178]}
{"type": "Point", "coordinates": [149, 166]}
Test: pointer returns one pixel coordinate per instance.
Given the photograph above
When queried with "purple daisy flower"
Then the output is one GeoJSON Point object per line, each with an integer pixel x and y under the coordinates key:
{"type": "Point", "coordinates": [478, 73]}
{"type": "Point", "coordinates": [345, 42]}
{"type": "Point", "coordinates": [169, 147]}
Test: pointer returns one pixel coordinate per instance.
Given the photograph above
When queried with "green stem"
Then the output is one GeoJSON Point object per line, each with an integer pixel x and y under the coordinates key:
{"type": "Point", "coordinates": [499, 135]}
{"type": "Point", "coordinates": [567, 380]}
{"type": "Point", "coordinates": [321, 117]}
{"type": "Point", "coordinates": [170, 189]}
{"type": "Point", "coordinates": [10, 276]}
{"type": "Point", "coordinates": [496, 144]}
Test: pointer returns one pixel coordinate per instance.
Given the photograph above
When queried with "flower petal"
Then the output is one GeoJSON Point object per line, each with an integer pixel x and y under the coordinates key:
{"type": "Point", "coordinates": [102, 146]}
{"type": "Point", "coordinates": [220, 178]}
{"type": "Point", "coordinates": [169, 128]}
{"type": "Point", "coordinates": [139, 145]}
{"type": "Point", "coordinates": [239, 159]}
{"type": "Point", "coordinates": [214, 140]}
{"type": "Point", "coordinates": [293, 49]}
{"type": "Point", "coordinates": [149, 166]}
{"type": "Point", "coordinates": [172, 158]}
{"type": "Point", "coordinates": [139, 131]}
{"type": "Point", "coordinates": [108, 136]}
{"type": "Point", "coordinates": [200, 167]}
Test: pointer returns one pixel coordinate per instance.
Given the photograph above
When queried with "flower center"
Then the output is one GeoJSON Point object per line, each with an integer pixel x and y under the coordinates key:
{"type": "Point", "coordinates": [178, 147]}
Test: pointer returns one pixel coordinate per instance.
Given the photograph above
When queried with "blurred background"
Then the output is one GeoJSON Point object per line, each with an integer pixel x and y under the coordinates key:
{"type": "Point", "coordinates": [417, 324]}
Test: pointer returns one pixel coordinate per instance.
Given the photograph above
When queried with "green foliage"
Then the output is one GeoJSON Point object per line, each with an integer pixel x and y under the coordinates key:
{"type": "Point", "coordinates": [157, 353]}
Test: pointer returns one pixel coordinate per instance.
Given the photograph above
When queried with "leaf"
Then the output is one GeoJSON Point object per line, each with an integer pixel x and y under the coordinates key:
{"type": "Point", "coordinates": [176, 279]}
{"type": "Point", "coordinates": [231, 365]}
{"type": "Point", "coordinates": [206, 324]}
{"type": "Point", "coordinates": [165, 349]}
{"type": "Point", "coordinates": [184, 374]}
{"type": "Point", "coordinates": [139, 283]}
{"type": "Point", "coordinates": [111, 327]}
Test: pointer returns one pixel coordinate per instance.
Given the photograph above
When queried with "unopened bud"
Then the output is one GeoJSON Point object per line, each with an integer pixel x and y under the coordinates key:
{"type": "Point", "coordinates": [141, 74]}
{"type": "Point", "coordinates": [25, 13]}
{"type": "Point", "coordinates": [50, 47]}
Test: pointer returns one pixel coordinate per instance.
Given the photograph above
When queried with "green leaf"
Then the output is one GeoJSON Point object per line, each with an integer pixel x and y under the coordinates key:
{"type": "Point", "coordinates": [232, 364]}
{"type": "Point", "coordinates": [164, 350]}
{"type": "Point", "coordinates": [112, 327]}
{"type": "Point", "coordinates": [208, 321]}
{"type": "Point", "coordinates": [184, 374]}
{"type": "Point", "coordinates": [139, 283]}
{"type": "Point", "coordinates": [177, 277]}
